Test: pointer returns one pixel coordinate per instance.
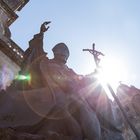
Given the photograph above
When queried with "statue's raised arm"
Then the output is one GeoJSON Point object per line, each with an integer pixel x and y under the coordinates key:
{"type": "Point", "coordinates": [35, 50]}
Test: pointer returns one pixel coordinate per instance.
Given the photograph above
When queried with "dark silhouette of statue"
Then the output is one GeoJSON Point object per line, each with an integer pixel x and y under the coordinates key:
{"type": "Point", "coordinates": [57, 103]}
{"type": "Point", "coordinates": [35, 50]}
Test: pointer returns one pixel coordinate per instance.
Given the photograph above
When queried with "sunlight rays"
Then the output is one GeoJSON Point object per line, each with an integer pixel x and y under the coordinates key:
{"type": "Point", "coordinates": [112, 71]}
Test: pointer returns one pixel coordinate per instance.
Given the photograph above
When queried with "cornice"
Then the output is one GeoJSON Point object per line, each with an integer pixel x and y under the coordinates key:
{"type": "Point", "coordinates": [12, 50]}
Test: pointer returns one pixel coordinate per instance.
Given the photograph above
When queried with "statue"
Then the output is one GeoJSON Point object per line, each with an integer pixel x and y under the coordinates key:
{"type": "Point", "coordinates": [58, 103]}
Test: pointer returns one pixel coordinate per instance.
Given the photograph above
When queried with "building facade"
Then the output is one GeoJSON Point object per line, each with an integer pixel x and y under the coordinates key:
{"type": "Point", "coordinates": [11, 54]}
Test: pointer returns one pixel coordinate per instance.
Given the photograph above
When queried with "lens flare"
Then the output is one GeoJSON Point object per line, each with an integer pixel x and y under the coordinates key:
{"type": "Point", "coordinates": [23, 77]}
{"type": "Point", "coordinates": [113, 72]}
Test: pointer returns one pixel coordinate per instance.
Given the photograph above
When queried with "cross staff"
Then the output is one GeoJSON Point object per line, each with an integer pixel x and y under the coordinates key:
{"type": "Point", "coordinates": [95, 54]}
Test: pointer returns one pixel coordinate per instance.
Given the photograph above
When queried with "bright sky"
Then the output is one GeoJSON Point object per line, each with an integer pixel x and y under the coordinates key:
{"type": "Point", "coordinates": [113, 25]}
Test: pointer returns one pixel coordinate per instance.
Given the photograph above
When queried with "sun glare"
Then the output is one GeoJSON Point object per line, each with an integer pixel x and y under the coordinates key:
{"type": "Point", "coordinates": [112, 71]}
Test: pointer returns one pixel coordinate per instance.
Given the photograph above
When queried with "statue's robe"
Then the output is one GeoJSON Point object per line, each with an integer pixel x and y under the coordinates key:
{"type": "Point", "coordinates": [88, 92]}
{"type": "Point", "coordinates": [62, 79]}
{"type": "Point", "coordinates": [36, 112]}
{"type": "Point", "coordinates": [30, 107]}
{"type": "Point", "coordinates": [62, 96]}
{"type": "Point", "coordinates": [24, 107]}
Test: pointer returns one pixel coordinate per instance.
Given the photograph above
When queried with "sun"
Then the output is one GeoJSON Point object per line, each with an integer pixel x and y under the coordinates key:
{"type": "Point", "coordinates": [112, 71]}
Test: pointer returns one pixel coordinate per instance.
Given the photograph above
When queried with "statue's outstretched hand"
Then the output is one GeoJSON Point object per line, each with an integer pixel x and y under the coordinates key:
{"type": "Point", "coordinates": [43, 27]}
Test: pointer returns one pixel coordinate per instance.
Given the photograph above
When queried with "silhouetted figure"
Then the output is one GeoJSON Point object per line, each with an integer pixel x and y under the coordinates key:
{"type": "Point", "coordinates": [86, 95]}
{"type": "Point", "coordinates": [58, 95]}
{"type": "Point", "coordinates": [35, 50]}
{"type": "Point", "coordinates": [68, 82]}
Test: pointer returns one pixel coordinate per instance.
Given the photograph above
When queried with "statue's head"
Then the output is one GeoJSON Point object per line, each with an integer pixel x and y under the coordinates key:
{"type": "Point", "coordinates": [61, 52]}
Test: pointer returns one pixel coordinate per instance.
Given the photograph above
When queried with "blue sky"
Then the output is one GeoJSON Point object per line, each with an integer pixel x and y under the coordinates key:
{"type": "Point", "coordinates": [113, 25]}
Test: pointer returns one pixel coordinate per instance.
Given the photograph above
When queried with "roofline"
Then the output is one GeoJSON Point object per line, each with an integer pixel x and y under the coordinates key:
{"type": "Point", "coordinates": [12, 50]}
